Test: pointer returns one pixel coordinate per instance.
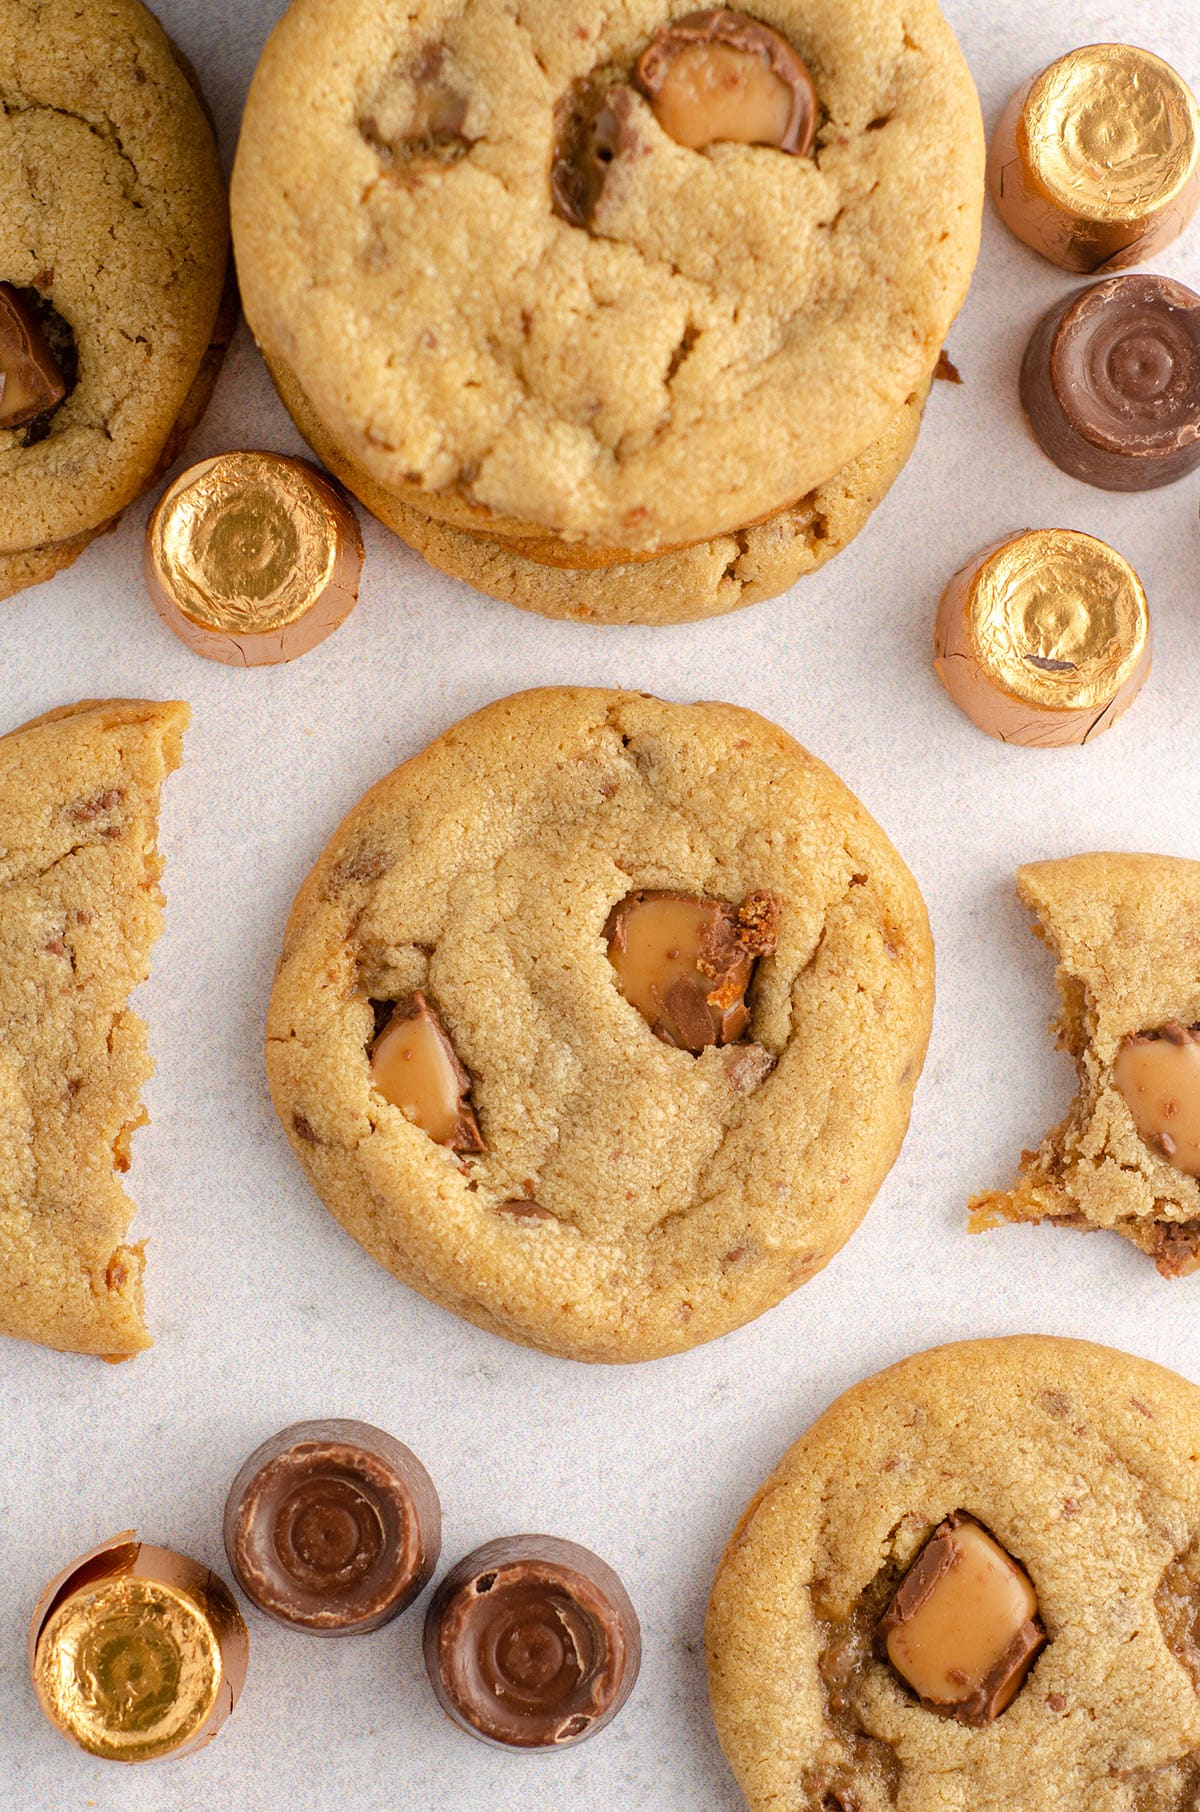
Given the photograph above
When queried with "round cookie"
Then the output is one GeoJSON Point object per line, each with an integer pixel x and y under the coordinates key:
{"type": "Point", "coordinates": [630, 1198]}
{"type": "Point", "coordinates": [702, 581]}
{"type": "Point", "coordinates": [122, 248]}
{"type": "Point", "coordinates": [735, 325]}
{"type": "Point", "coordinates": [1082, 1464]}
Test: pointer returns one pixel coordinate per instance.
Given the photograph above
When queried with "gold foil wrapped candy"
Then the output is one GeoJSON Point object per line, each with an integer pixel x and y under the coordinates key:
{"type": "Point", "coordinates": [1044, 639]}
{"type": "Point", "coordinates": [253, 558]}
{"type": "Point", "coordinates": [1095, 163]}
{"type": "Point", "coordinates": [136, 1652]}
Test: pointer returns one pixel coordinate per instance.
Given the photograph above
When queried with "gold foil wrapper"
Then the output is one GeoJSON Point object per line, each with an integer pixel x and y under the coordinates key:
{"type": "Point", "coordinates": [137, 1653]}
{"type": "Point", "coordinates": [1095, 163]}
{"type": "Point", "coordinates": [1044, 639]}
{"type": "Point", "coordinates": [253, 558]}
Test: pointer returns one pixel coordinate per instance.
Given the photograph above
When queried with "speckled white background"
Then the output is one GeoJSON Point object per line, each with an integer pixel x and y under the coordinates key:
{"type": "Point", "coordinates": [264, 1312]}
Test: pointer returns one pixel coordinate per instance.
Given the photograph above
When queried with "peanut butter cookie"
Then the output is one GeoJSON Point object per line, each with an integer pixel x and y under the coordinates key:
{"type": "Point", "coordinates": [1126, 932]}
{"type": "Point", "coordinates": [599, 1021]}
{"type": "Point", "coordinates": [114, 308]}
{"type": "Point", "coordinates": [617, 276]}
{"type": "Point", "coordinates": [972, 1586]}
{"type": "Point", "coordinates": [79, 910]}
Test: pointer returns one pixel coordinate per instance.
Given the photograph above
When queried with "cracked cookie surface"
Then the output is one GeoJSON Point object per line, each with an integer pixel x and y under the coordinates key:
{"type": "Point", "coordinates": [1126, 932]}
{"type": "Point", "coordinates": [1082, 1462]}
{"type": "Point", "coordinates": [80, 908]}
{"type": "Point", "coordinates": [112, 223]}
{"type": "Point", "coordinates": [707, 580]}
{"type": "Point", "coordinates": [678, 1196]}
{"type": "Point", "coordinates": [735, 325]}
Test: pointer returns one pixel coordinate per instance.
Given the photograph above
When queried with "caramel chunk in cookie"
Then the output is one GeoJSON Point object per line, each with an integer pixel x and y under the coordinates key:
{"type": "Point", "coordinates": [1158, 1074]}
{"type": "Point", "coordinates": [416, 1068]}
{"type": "Point", "coordinates": [718, 76]}
{"type": "Point", "coordinates": [30, 380]}
{"type": "Point", "coordinates": [962, 1629]}
{"type": "Point", "coordinates": [685, 962]}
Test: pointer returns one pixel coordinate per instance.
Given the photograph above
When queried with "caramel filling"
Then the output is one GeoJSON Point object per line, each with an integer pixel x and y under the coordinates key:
{"type": "Point", "coordinates": [1159, 1079]}
{"type": "Point", "coordinates": [712, 92]}
{"type": "Point", "coordinates": [30, 379]}
{"type": "Point", "coordinates": [686, 962]}
{"type": "Point", "coordinates": [414, 1067]}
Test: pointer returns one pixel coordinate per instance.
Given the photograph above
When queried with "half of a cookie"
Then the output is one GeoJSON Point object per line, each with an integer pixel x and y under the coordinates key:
{"type": "Point", "coordinates": [80, 908]}
{"type": "Point", "coordinates": [1126, 932]}
{"type": "Point", "coordinates": [972, 1586]}
{"type": "Point", "coordinates": [599, 1021]}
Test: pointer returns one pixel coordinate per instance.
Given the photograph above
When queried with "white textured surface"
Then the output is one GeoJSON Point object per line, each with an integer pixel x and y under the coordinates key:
{"type": "Point", "coordinates": [264, 1312]}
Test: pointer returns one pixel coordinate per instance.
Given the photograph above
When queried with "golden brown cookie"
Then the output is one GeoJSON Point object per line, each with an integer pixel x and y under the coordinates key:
{"type": "Point", "coordinates": [456, 1055]}
{"type": "Point", "coordinates": [80, 908]}
{"type": "Point", "coordinates": [118, 250]}
{"type": "Point", "coordinates": [1073, 1472]}
{"type": "Point", "coordinates": [702, 581]}
{"type": "Point", "coordinates": [731, 325]}
{"type": "Point", "coordinates": [1126, 932]}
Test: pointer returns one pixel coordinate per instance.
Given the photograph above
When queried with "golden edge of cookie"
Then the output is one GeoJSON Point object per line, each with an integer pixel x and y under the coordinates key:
{"type": "Point", "coordinates": [115, 1324]}
{"type": "Point", "coordinates": [1170, 1200]}
{"type": "Point", "coordinates": [420, 1257]}
{"type": "Point", "coordinates": [753, 1610]}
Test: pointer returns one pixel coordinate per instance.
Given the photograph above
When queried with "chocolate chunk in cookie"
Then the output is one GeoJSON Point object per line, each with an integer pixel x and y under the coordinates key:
{"type": "Point", "coordinates": [416, 1068]}
{"type": "Point", "coordinates": [962, 1628]}
{"type": "Point", "coordinates": [30, 380]}
{"type": "Point", "coordinates": [718, 76]}
{"type": "Point", "coordinates": [686, 962]}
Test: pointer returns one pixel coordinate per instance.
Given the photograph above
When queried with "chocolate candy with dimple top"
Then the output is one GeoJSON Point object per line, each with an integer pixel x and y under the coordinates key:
{"type": "Point", "coordinates": [1158, 1076]}
{"type": "Point", "coordinates": [1095, 163]}
{"type": "Point", "coordinates": [137, 1653]}
{"type": "Point", "coordinates": [532, 1643]}
{"type": "Point", "coordinates": [962, 1628]}
{"type": "Point", "coordinates": [30, 379]}
{"type": "Point", "coordinates": [685, 962]}
{"type": "Point", "coordinates": [414, 1066]}
{"type": "Point", "coordinates": [333, 1527]}
{"type": "Point", "coordinates": [1111, 383]}
{"type": "Point", "coordinates": [718, 76]}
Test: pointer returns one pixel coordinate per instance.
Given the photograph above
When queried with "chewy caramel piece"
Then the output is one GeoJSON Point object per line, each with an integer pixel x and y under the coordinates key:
{"type": "Point", "coordinates": [416, 1068]}
{"type": "Point", "coordinates": [962, 1628]}
{"type": "Point", "coordinates": [718, 76]}
{"type": "Point", "coordinates": [30, 380]}
{"type": "Point", "coordinates": [685, 962]}
{"type": "Point", "coordinates": [1158, 1075]}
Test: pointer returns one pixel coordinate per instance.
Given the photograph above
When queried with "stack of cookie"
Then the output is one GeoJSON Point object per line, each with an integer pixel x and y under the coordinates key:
{"type": "Point", "coordinates": [616, 313]}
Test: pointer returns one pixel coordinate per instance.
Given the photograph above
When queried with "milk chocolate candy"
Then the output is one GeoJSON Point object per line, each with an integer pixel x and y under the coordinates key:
{"type": "Point", "coordinates": [718, 76]}
{"type": "Point", "coordinates": [1044, 639]}
{"type": "Point", "coordinates": [253, 558]}
{"type": "Point", "coordinates": [1157, 1074]}
{"type": "Point", "coordinates": [333, 1527]}
{"type": "Point", "coordinates": [685, 962]}
{"type": "Point", "coordinates": [962, 1630]}
{"type": "Point", "coordinates": [1111, 383]}
{"type": "Point", "coordinates": [1095, 163]}
{"type": "Point", "coordinates": [414, 1066]}
{"type": "Point", "coordinates": [137, 1653]}
{"type": "Point", "coordinates": [30, 379]}
{"type": "Point", "coordinates": [532, 1643]}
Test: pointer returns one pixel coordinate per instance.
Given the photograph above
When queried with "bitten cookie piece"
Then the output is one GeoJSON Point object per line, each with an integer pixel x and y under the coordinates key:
{"type": "Point", "coordinates": [599, 1021]}
{"type": "Point", "coordinates": [80, 908]}
{"type": "Point", "coordinates": [972, 1586]}
{"type": "Point", "coordinates": [113, 256]}
{"type": "Point", "coordinates": [1126, 932]}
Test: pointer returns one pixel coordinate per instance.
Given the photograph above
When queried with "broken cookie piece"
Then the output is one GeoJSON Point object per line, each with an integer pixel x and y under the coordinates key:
{"type": "Point", "coordinates": [415, 1067]}
{"type": "Point", "coordinates": [1126, 930]}
{"type": "Point", "coordinates": [719, 76]}
{"type": "Point", "coordinates": [962, 1629]}
{"type": "Point", "coordinates": [685, 962]}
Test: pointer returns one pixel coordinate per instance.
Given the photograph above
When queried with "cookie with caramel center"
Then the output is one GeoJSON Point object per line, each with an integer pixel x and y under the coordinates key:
{"type": "Point", "coordinates": [674, 990]}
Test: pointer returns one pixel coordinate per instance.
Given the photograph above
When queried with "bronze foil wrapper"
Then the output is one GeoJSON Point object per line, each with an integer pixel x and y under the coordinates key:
{"type": "Point", "coordinates": [253, 558]}
{"type": "Point", "coordinates": [1044, 639]}
{"type": "Point", "coordinates": [137, 1653]}
{"type": "Point", "coordinates": [1095, 163]}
